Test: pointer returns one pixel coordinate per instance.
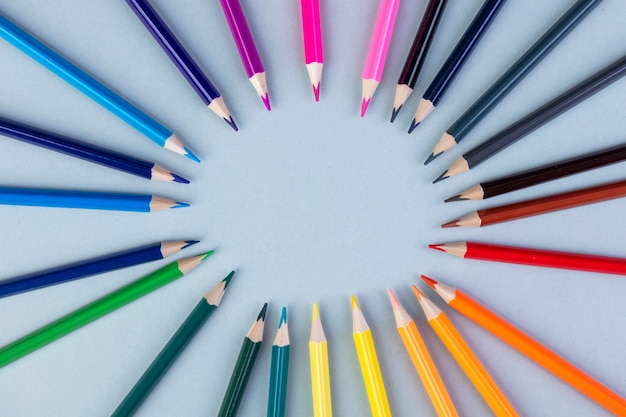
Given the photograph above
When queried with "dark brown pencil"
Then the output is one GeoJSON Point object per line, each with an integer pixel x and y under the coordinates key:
{"type": "Point", "coordinates": [542, 205]}
{"type": "Point", "coordinates": [543, 174]}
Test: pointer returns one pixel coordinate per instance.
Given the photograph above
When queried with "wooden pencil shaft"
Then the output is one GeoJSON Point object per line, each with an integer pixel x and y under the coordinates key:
{"type": "Point", "coordinates": [175, 50]}
{"type": "Point", "coordinates": [546, 258]}
{"type": "Point", "coordinates": [462, 50]}
{"type": "Point", "coordinates": [554, 171]}
{"type": "Point", "coordinates": [279, 370]}
{"type": "Point", "coordinates": [546, 113]}
{"type": "Point", "coordinates": [552, 203]}
{"type": "Point", "coordinates": [421, 43]}
{"type": "Point", "coordinates": [165, 359]}
{"type": "Point", "coordinates": [89, 313]}
{"type": "Point", "coordinates": [521, 68]}
{"type": "Point", "coordinates": [239, 378]}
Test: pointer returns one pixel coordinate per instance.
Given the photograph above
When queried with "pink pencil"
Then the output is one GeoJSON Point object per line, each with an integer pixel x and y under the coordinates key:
{"type": "Point", "coordinates": [377, 54]}
{"type": "Point", "coordinates": [313, 53]}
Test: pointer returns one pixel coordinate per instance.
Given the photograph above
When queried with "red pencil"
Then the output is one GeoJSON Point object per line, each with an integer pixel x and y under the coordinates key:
{"type": "Point", "coordinates": [535, 257]}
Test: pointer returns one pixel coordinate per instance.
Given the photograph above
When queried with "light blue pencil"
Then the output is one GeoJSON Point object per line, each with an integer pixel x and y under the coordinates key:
{"type": "Point", "coordinates": [93, 88]}
{"type": "Point", "coordinates": [85, 200]}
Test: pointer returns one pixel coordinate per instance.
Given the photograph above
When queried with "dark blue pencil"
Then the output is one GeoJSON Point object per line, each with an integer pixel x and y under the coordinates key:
{"type": "Point", "coordinates": [181, 58]}
{"type": "Point", "coordinates": [91, 267]}
{"type": "Point", "coordinates": [85, 200]}
{"type": "Point", "coordinates": [455, 61]}
{"type": "Point", "coordinates": [87, 152]}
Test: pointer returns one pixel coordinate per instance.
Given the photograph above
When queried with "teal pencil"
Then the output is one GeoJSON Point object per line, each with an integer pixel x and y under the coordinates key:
{"type": "Point", "coordinates": [279, 369]}
{"type": "Point", "coordinates": [203, 310]}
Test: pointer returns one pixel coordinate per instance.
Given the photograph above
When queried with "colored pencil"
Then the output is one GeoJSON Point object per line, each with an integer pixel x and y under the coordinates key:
{"type": "Point", "coordinates": [91, 153]}
{"type": "Point", "coordinates": [85, 200]}
{"type": "Point", "coordinates": [243, 367]}
{"type": "Point", "coordinates": [545, 173]}
{"type": "Point", "coordinates": [172, 350]}
{"type": "Point", "coordinates": [182, 59]}
{"type": "Point", "coordinates": [534, 257]}
{"type": "Point", "coordinates": [530, 347]}
{"type": "Point", "coordinates": [465, 357]}
{"type": "Point", "coordinates": [505, 84]}
{"type": "Point", "coordinates": [537, 118]}
{"type": "Point", "coordinates": [93, 88]}
{"type": "Point", "coordinates": [366, 351]}
{"type": "Point", "coordinates": [493, 215]}
{"type": "Point", "coordinates": [320, 369]}
{"type": "Point", "coordinates": [99, 308]}
{"type": "Point", "coordinates": [417, 54]}
{"type": "Point", "coordinates": [313, 50]}
{"type": "Point", "coordinates": [247, 48]}
{"type": "Point", "coordinates": [455, 61]}
{"type": "Point", "coordinates": [422, 360]}
{"type": "Point", "coordinates": [377, 53]}
{"type": "Point", "coordinates": [100, 265]}
{"type": "Point", "coordinates": [279, 370]}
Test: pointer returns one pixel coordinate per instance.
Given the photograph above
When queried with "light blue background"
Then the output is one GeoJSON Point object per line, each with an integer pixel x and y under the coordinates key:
{"type": "Point", "coordinates": [308, 203]}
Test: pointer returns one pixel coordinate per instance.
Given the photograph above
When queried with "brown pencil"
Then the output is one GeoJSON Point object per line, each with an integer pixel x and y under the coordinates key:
{"type": "Point", "coordinates": [542, 205]}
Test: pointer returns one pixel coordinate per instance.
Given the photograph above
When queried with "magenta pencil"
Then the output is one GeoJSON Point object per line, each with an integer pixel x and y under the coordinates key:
{"type": "Point", "coordinates": [247, 48]}
{"type": "Point", "coordinates": [377, 54]}
{"type": "Point", "coordinates": [313, 51]}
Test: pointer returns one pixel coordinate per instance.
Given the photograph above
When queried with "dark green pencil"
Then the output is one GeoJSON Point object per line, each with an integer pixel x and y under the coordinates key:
{"type": "Point", "coordinates": [243, 367]}
{"type": "Point", "coordinates": [172, 349]}
{"type": "Point", "coordinates": [522, 67]}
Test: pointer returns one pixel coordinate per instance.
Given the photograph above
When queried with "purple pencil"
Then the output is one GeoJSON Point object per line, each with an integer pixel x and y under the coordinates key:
{"type": "Point", "coordinates": [246, 47]}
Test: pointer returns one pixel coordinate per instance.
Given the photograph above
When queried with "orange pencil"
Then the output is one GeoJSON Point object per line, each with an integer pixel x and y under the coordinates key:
{"type": "Point", "coordinates": [530, 347]}
{"type": "Point", "coordinates": [464, 356]}
{"type": "Point", "coordinates": [422, 361]}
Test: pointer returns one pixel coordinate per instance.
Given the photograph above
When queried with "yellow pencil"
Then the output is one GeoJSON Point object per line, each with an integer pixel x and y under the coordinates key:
{"type": "Point", "coordinates": [465, 357]}
{"type": "Point", "coordinates": [422, 361]}
{"type": "Point", "coordinates": [320, 374]}
{"type": "Point", "coordinates": [369, 363]}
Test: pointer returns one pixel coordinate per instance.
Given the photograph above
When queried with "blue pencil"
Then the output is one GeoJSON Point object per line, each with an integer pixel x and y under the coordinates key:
{"type": "Point", "coordinates": [91, 267]}
{"type": "Point", "coordinates": [93, 88]}
{"type": "Point", "coordinates": [181, 58]}
{"type": "Point", "coordinates": [85, 200]}
{"type": "Point", "coordinates": [87, 152]}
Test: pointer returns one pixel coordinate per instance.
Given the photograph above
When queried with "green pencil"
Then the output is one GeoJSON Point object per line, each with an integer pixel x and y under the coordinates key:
{"type": "Point", "coordinates": [279, 369]}
{"type": "Point", "coordinates": [243, 367]}
{"type": "Point", "coordinates": [172, 349]}
{"type": "Point", "coordinates": [99, 308]}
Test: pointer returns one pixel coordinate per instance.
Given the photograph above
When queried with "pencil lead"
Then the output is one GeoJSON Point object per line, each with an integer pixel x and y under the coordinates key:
{"type": "Point", "coordinates": [205, 255]}
{"type": "Point", "coordinates": [457, 197]}
{"type": "Point", "coordinates": [316, 90]}
{"type": "Point", "coordinates": [364, 104]}
{"type": "Point", "coordinates": [418, 294]}
{"type": "Point", "coordinates": [431, 158]}
{"type": "Point", "coordinates": [190, 243]}
{"type": "Point", "coordinates": [191, 155]}
{"type": "Point", "coordinates": [442, 177]}
{"type": "Point", "coordinates": [393, 299]}
{"type": "Point", "coordinates": [231, 123]}
{"type": "Point", "coordinates": [227, 279]}
{"type": "Point", "coordinates": [283, 317]}
{"type": "Point", "coordinates": [266, 101]}
{"type": "Point", "coordinates": [354, 303]}
{"type": "Point", "coordinates": [438, 246]}
{"type": "Point", "coordinates": [414, 124]}
{"type": "Point", "coordinates": [180, 204]}
{"type": "Point", "coordinates": [429, 281]}
{"type": "Point", "coordinates": [179, 179]}
{"type": "Point", "coordinates": [453, 223]}
{"type": "Point", "coordinates": [394, 113]}
{"type": "Point", "coordinates": [261, 315]}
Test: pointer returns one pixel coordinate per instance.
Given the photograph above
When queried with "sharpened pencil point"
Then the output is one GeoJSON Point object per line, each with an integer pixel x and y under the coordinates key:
{"type": "Point", "coordinates": [394, 300]}
{"type": "Point", "coordinates": [418, 294]}
{"type": "Point", "coordinates": [431, 158]}
{"type": "Point", "coordinates": [228, 278]}
{"type": "Point", "coordinates": [354, 303]}
{"type": "Point", "coordinates": [316, 91]}
{"type": "Point", "coordinates": [191, 155]}
{"type": "Point", "coordinates": [364, 104]}
{"type": "Point", "coordinates": [261, 315]}
{"type": "Point", "coordinates": [437, 246]}
{"type": "Point", "coordinates": [206, 255]}
{"type": "Point", "coordinates": [442, 177]}
{"type": "Point", "coordinates": [190, 243]}
{"type": "Point", "coordinates": [414, 124]}
{"type": "Point", "coordinates": [180, 204]}
{"type": "Point", "coordinates": [394, 113]}
{"type": "Point", "coordinates": [316, 313]}
{"type": "Point", "coordinates": [283, 317]}
{"type": "Point", "coordinates": [231, 123]}
{"type": "Point", "coordinates": [266, 101]}
{"type": "Point", "coordinates": [429, 281]}
{"type": "Point", "coordinates": [179, 179]}
{"type": "Point", "coordinates": [453, 223]}
{"type": "Point", "coordinates": [454, 198]}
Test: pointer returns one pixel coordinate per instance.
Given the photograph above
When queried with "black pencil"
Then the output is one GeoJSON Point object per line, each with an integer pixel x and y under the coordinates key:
{"type": "Point", "coordinates": [537, 118]}
{"type": "Point", "coordinates": [545, 173]}
{"type": "Point", "coordinates": [417, 54]}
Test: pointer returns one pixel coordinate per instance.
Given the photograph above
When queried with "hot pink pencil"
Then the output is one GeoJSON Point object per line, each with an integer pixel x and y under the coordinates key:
{"type": "Point", "coordinates": [377, 54]}
{"type": "Point", "coordinates": [313, 53]}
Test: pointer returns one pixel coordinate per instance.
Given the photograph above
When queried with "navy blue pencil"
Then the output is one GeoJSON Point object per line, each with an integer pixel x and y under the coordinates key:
{"type": "Point", "coordinates": [91, 267]}
{"type": "Point", "coordinates": [181, 58]}
{"type": "Point", "coordinates": [87, 152]}
{"type": "Point", "coordinates": [85, 200]}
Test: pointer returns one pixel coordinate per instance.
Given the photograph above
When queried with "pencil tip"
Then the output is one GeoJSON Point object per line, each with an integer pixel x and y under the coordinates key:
{"type": "Point", "coordinates": [364, 104]}
{"type": "Point", "coordinates": [205, 255]}
{"type": "Point", "coordinates": [453, 223]}
{"type": "Point", "coordinates": [355, 304]}
{"type": "Point", "coordinates": [437, 246]}
{"type": "Point", "coordinates": [180, 204]}
{"type": "Point", "coordinates": [191, 156]}
{"type": "Point", "coordinates": [231, 123]}
{"type": "Point", "coordinates": [316, 91]}
{"type": "Point", "coordinates": [227, 279]}
{"type": "Point", "coordinates": [316, 312]}
{"type": "Point", "coordinates": [179, 179]}
{"type": "Point", "coordinates": [393, 299]}
{"type": "Point", "coordinates": [430, 158]}
{"type": "Point", "coordinates": [454, 198]}
{"type": "Point", "coordinates": [261, 315]}
{"type": "Point", "coordinates": [414, 124]}
{"type": "Point", "coordinates": [394, 113]}
{"type": "Point", "coordinates": [442, 177]}
{"type": "Point", "coordinates": [190, 243]}
{"type": "Point", "coordinates": [266, 101]}
{"type": "Point", "coordinates": [418, 294]}
{"type": "Point", "coordinates": [283, 317]}
{"type": "Point", "coordinates": [429, 281]}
